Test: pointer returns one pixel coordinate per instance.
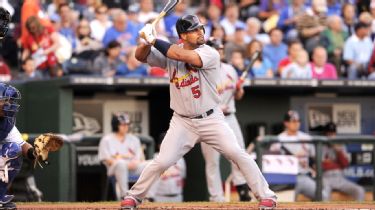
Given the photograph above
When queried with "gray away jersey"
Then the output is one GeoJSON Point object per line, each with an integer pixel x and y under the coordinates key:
{"type": "Point", "coordinates": [193, 91]}
{"type": "Point", "coordinates": [229, 79]}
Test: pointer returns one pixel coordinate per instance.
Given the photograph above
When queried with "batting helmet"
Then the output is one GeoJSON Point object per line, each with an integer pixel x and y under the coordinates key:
{"type": "Point", "coordinates": [10, 95]}
{"type": "Point", "coordinates": [119, 118]}
{"type": "Point", "coordinates": [188, 23]}
{"type": "Point", "coordinates": [4, 21]}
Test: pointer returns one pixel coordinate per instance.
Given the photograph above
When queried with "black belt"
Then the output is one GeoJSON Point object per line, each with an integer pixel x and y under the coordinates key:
{"type": "Point", "coordinates": [170, 195]}
{"type": "Point", "coordinates": [206, 114]}
{"type": "Point", "coordinates": [227, 113]}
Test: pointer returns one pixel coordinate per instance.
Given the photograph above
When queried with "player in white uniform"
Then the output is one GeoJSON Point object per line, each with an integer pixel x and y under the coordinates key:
{"type": "Point", "coordinates": [305, 184]}
{"type": "Point", "coordinates": [231, 90]}
{"type": "Point", "coordinates": [194, 71]}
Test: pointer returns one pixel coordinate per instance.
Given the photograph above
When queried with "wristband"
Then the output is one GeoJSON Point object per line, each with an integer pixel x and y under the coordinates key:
{"type": "Point", "coordinates": [162, 46]}
{"type": "Point", "coordinates": [30, 154]}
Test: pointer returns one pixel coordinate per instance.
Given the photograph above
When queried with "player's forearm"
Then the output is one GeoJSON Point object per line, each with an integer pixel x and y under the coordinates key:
{"type": "Point", "coordinates": [175, 52]}
{"type": "Point", "coordinates": [142, 51]}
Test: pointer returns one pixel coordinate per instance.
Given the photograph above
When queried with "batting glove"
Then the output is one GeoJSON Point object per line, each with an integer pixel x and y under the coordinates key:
{"type": "Point", "coordinates": [148, 33]}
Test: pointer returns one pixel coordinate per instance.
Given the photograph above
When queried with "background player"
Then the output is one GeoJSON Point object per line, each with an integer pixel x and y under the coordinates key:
{"type": "Point", "coordinates": [121, 152]}
{"type": "Point", "coordinates": [211, 156]}
{"type": "Point", "coordinates": [194, 71]}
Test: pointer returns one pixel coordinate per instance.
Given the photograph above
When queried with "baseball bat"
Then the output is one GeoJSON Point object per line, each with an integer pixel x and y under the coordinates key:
{"type": "Point", "coordinates": [168, 7]}
{"type": "Point", "coordinates": [244, 74]}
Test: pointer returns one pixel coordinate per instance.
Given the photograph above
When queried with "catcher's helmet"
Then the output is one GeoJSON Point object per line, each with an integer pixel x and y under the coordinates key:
{"type": "Point", "coordinates": [10, 96]}
{"type": "Point", "coordinates": [119, 118]}
{"type": "Point", "coordinates": [188, 23]}
{"type": "Point", "coordinates": [4, 21]}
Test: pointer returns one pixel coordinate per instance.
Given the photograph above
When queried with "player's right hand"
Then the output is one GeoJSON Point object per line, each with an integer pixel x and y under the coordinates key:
{"type": "Point", "coordinates": [148, 33]}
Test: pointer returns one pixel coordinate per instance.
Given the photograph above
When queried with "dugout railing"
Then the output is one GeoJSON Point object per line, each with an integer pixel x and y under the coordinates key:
{"type": "Point", "coordinates": [318, 141]}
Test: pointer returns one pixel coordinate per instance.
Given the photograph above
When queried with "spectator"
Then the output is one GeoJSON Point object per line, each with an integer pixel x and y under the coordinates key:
{"type": "Point", "coordinates": [121, 152]}
{"type": "Point", "coordinates": [253, 31]}
{"type": "Point", "coordinates": [319, 67]}
{"type": "Point", "coordinates": [67, 24]}
{"type": "Point", "coordinates": [41, 44]}
{"type": "Point", "coordinates": [101, 23]}
{"type": "Point", "coordinates": [335, 159]}
{"type": "Point", "coordinates": [311, 24]}
{"type": "Point", "coordinates": [276, 50]}
{"type": "Point", "coordinates": [52, 8]}
{"type": "Point", "coordinates": [333, 7]}
{"type": "Point", "coordinates": [349, 18]}
{"type": "Point", "coordinates": [237, 61]}
{"type": "Point", "coordinates": [170, 20]}
{"type": "Point", "coordinates": [357, 51]}
{"type": "Point", "coordinates": [107, 63]}
{"type": "Point", "coordinates": [218, 33]}
{"type": "Point", "coordinates": [89, 9]}
{"type": "Point", "coordinates": [31, 8]}
{"type": "Point", "coordinates": [84, 40]}
{"type": "Point", "coordinates": [289, 17]}
{"type": "Point", "coordinates": [248, 8]}
{"type": "Point", "coordinates": [262, 67]}
{"type": "Point", "coordinates": [300, 69]}
{"type": "Point", "coordinates": [146, 12]}
{"type": "Point", "coordinates": [5, 75]}
{"type": "Point", "coordinates": [230, 22]}
{"type": "Point", "coordinates": [333, 38]}
{"type": "Point", "coordinates": [29, 70]}
{"type": "Point", "coordinates": [371, 66]}
{"type": "Point", "coordinates": [214, 17]}
{"type": "Point", "coordinates": [270, 8]}
{"type": "Point", "coordinates": [237, 44]}
{"type": "Point", "coordinates": [293, 49]}
{"type": "Point", "coordinates": [122, 30]}
{"type": "Point", "coordinates": [365, 17]}
{"type": "Point", "coordinates": [305, 184]}
{"type": "Point", "coordinates": [372, 12]}
{"type": "Point", "coordinates": [132, 67]}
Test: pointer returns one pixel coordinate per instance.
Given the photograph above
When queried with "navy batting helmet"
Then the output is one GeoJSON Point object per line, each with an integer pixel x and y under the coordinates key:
{"type": "Point", "coordinates": [4, 21]}
{"type": "Point", "coordinates": [10, 96]}
{"type": "Point", "coordinates": [119, 118]}
{"type": "Point", "coordinates": [187, 23]}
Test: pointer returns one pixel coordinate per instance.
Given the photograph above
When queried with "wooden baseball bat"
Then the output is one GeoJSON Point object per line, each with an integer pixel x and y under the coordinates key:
{"type": "Point", "coordinates": [168, 7]}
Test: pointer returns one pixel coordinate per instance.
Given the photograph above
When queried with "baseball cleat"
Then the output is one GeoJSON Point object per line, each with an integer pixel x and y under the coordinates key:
{"type": "Point", "coordinates": [8, 206]}
{"type": "Point", "coordinates": [267, 204]}
{"type": "Point", "coordinates": [128, 203]}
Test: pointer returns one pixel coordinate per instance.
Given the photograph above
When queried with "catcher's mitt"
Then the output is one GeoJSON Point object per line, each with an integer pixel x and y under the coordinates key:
{"type": "Point", "coordinates": [44, 144]}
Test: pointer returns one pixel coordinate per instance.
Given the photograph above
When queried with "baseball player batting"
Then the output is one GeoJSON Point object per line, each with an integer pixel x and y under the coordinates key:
{"type": "Point", "coordinates": [194, 72]}
{"type": "Point", "coordinates": [230, 91]}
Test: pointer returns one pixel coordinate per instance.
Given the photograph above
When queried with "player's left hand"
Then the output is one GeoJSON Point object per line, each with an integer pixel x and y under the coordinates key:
{"type": "Point", "coordinates": [148, 33]}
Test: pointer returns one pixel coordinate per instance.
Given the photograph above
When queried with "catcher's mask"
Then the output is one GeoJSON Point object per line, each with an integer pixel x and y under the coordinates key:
{"type": "Point", "coordinates": [4, 21]}
{"type": "Point", "coordinates": [119, 118]}
{"type": "Point", "coordinates": [9, 97]}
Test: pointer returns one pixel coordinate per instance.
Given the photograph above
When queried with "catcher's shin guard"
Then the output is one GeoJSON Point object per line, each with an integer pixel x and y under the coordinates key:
{"type": "Point", "coordinates": [10, 165]}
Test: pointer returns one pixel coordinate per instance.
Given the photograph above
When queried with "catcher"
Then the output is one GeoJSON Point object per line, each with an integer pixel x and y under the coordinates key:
{"type": "Point", "coordinates": [13, 147]}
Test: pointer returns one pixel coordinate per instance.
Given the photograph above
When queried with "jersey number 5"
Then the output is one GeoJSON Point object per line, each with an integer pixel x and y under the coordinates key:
{"type": "Point", "coordinates": [196, 92]}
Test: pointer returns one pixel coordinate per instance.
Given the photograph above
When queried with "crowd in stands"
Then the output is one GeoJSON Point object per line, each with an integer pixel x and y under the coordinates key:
{"type": "Point", "coordinates": [298, 39]}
